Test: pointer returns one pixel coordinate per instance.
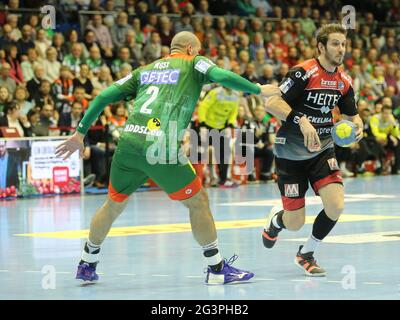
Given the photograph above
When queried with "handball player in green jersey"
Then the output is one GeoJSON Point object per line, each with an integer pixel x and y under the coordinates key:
{"type": "Point", "coordinates": [165, 94]}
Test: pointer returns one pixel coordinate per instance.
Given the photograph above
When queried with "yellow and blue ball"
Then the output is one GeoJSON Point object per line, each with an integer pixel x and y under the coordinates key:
{"type": "Point", "coordinates": [344, 133]}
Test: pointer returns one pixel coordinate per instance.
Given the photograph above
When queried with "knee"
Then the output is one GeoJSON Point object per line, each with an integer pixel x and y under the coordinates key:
{"type": "Point", "coordinates": [199, 202]}
{"type": "Point", "coordinates": [295, 222]}
{"type": "Point", "coordinates": [114, 208]}
{"type": "Point", "coordinates": [334, 211]}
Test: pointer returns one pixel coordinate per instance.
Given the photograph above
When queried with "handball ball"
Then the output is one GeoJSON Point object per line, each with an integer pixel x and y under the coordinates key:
{"type": "Point", "coordinates": [344, 133]}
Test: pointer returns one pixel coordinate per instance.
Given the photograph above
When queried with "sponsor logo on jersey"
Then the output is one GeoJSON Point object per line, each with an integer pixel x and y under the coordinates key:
{"type": "Point", "coordinates": [154, 124]}
{"type": "Point", "coordinates": [170, 76]}
{"type": "Point", "coordinates": [323, 99]}
{"type": "Point", "coordinates": [340, 85]}
{"type": "Point", "coordinates": [324, 131]}
{"type": "Point", "coordinates": [134, 128]}
{"type": "Point", "coordinates": [280, 140]}
{"type": "Point", "coordinates": [202, 66]}
{"type": "Point", "coordinates": [297, 74]}
{"type": "Point", "coordinates": [188, 191]}
{"type": "Point", "coordinates": [333, 164]}
{"type": "Point", "coordinates": [285, 86]}
{"type": "Point", "coordinates": [328, 83]}
{"type": "Point", "coordinates": [291, 190]}
{"type": "Point", "coordinates": [319, 120]}
{"type": "Point", "coordinates": [309, 73]}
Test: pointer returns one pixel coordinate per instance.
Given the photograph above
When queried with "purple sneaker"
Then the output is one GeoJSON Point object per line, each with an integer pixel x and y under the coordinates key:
{"type": "Point", "coordinates": [86, 273]}
{"type": "Point", "coordinates": [228, 273]}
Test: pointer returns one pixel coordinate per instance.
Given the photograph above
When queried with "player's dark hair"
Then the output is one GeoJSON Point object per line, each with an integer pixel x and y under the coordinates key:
{"type": "Point", "coordinates": [323, 33]}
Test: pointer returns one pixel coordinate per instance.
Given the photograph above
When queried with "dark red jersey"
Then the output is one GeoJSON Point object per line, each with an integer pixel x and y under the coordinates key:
{"type": "Point", "coordinates": [310, 89]}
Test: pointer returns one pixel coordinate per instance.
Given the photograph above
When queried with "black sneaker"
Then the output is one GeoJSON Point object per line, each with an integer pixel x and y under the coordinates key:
{"type": "Point", "coordinates": [270, 233]}
{"type": "Point", "coordinates": [308, 264]}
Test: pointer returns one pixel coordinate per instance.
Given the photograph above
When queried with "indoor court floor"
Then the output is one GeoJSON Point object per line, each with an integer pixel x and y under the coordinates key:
{"type": "Point", "coordinates": [151, 253]}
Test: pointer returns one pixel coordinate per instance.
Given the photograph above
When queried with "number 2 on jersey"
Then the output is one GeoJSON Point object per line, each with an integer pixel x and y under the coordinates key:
{"type": "Point", "coordinates": [153, 91]}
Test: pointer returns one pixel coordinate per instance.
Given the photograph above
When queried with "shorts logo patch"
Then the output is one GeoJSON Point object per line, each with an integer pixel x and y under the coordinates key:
{"type": "Point", "coordinates": [291, 190]}
{"type": "Point", "coordinates": [280, 140]}
{"type": "Point", "coordinates": [285, 86]}
{"type": "Point", "coordinates": [333, 164]}
{"type": "Point", "coordinates": [188, 191]}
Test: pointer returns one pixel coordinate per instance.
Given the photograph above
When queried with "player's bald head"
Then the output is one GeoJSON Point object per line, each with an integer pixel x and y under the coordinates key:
{"type": "Point", "coordinates": [185, 42]}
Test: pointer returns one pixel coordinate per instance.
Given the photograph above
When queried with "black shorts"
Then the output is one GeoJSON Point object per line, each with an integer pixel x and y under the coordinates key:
{"type": "Point", "coordinates": [294, 175]}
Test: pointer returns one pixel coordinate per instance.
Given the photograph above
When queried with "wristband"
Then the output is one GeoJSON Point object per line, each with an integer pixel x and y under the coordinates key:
{"type": "Point", "coordinates": [294, 117]}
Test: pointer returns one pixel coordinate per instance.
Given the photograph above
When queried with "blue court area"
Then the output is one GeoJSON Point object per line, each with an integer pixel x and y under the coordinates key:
{"type": "Point", "coordinates": [151, 253]}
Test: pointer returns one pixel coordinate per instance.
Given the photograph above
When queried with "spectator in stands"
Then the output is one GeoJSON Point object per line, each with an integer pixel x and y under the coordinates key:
{"type": "Point", "coordinates": [203, 8]}
{"type": "Point", "coordinates": [6, 39]}
{"type": "Point", "coordinates": [5, 99]}
{"type": "Point", "coordinates": [83, 80]}
{"type": "Point", "coordinates": [51, 65]}
{"type": "Point", "coordinates": [256, 44]}
{"type": "Point", "coordinates": [74, 59]}
{"type": "Point", "coordinates": [28, 65]}
{"type": "Point", "coordinates": [12, 20]}
{"type": "Point", "coordinates": [124, 56]}
{"type": "Point", "coordinates": [126, 69]}
{"type": "Point", "coordinates": [15, 66]}
{"type": "Point", "coordinates": [307, 24]}
{"type": "Point", "coordinates": [166, 32]}
{"type": "Point", "coordinates": [44, 96]}
{"type": "Point", "coordinates": [244, 59]}
{"type": "Point", "coordinates": [5, 79]}
{"type": "Point", "coordinates": [134, 47]}
{"type": "Point", "coordinates": [184, 24]}
{"type": "Point", "coordinates": [103, 80]}
{"type": "Point", "coordinates": [260, 60]}
{"type": "Point", "coordinates": [119, 30]}
{"type": "Point", "coordinates": [267, 76]}
{"type": "Point", "coordinates": [102, 34]}
{"type": "Point", "coordinates": [95, 62]}
{"type": "Point", "coordinates": [69, 120]}
{"type": "Point", "coordinates": [117, 120]}
{"type": "Point", "coordinates": [25, 42]}
{"type": "Point", "coordinates": [21, 95]}
{"type": "Point", "coordinates": [14, 119]}
{"type": "Point", "coordinates": [152, 50]}
{"type": "Point", "coordinates": [34, 119]}
{"type": "Point", "coordinates": [63, 87]}
{"type": "Point", "coordinates": [34, 84]}
{"type": "Point", "coordinates": [250, 73]}
{"type": "Point", "coordinates": [136, 25]}
{"type": "Point", "coordinates": [283, 70]}
{"type": "Point", "coordinates": [41, 43]}
{"type": "Point", "coordinates": [48, 119]}
{"type": "Point", "coordinates": [59, 44]}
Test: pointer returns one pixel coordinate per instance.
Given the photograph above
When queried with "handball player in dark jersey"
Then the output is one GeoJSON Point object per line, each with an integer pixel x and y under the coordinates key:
{"type": "Point", "coordinates": [304, 149]}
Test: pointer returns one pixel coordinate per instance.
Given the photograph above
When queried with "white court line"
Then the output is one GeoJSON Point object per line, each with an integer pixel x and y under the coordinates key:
{"type": "Point", "coordinates": [264, 279]}
{"type": "Point", "coordinates": [334, 281]}
{"type": "Point", "coordinates": [127, 274]}
{"type": "Point", "coordinates": [373, 283]}
{"type": "Point", "coordinates": [301, 280]}
{"type": "Point", "coordinates": [63, 272]}
{"type": "Point", "coordinates": [193, 276]}
{"type": "Point", "coordinates": [29, 271]}
{"type": "Point", "coordinates": [100, 273]}
{"type": "Point", "coordinates": [4, 271]}
{"type": "Point", "coordinates": [160, 275]}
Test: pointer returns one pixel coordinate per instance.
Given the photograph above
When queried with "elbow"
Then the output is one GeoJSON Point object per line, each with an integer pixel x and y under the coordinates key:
{"type": "Point", "coordinates": [271, 102]}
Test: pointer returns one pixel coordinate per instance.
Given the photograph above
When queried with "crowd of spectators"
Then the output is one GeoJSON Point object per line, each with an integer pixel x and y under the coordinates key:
{"type": "Point", "coordinates": [48, 77]}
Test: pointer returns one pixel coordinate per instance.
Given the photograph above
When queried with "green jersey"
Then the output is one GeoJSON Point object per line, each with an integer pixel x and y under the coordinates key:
{"type": "Point", "coordinates": [165, 94]}
{"type": "Point", "coordinates": [162, 97]}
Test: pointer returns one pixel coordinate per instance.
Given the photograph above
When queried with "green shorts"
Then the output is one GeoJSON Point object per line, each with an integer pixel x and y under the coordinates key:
{"type": "Point", "coordinates": [130, 171]}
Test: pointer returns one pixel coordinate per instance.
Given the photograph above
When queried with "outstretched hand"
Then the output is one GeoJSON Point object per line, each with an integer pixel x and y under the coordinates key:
{"type": "Point", "coordinates": [69, 146]}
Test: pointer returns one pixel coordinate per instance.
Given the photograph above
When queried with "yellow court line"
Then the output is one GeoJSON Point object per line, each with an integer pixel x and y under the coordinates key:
{"type": "Point", "coordinates": [185, 227]}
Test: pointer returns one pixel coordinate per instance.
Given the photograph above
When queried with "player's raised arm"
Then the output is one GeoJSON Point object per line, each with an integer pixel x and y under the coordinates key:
{"type": "Point", "coordinates": [233, 81]}
{"type": "Point", "coordinates": [75, 142]}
